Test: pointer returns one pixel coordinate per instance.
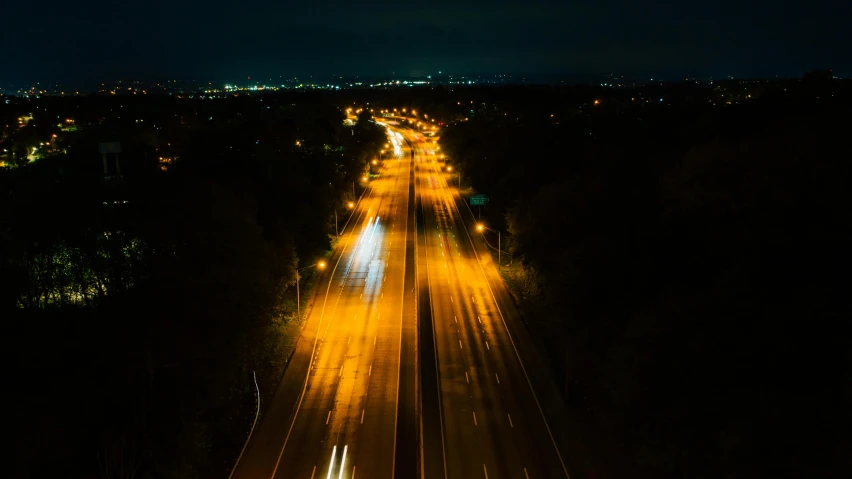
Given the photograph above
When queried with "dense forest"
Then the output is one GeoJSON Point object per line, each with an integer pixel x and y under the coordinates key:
{"type": "Point", "coordinates": [137, 306]}
{"type": "Point", "coordinates": [684, 266]}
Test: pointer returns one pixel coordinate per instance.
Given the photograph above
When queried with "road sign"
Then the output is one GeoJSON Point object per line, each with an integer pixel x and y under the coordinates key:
{"type": "Point", "coordinates": [478, 200]}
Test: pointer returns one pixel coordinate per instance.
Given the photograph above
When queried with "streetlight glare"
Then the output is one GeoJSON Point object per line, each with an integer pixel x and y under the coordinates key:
{"type": "Point", "coordinates": [480, 227]}
{"type": "Point", "coordinates": [363, 178]}
{"type": "Point", "coordinates": [351, 205]}
{"type": "Point", "coordinates": [321, 265]}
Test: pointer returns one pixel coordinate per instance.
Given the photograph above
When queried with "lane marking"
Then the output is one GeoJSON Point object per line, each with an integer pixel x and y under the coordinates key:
{"type": "Point", "coordinates": [485, 471]}
{"type": "Point", "coordinates": [511, 340]}
{"type": "Point", "coordinates": [342, 461]}
{"type": "Point", "coordinates": [474, 419]}
{"type": "Point", "coordinates": [451, 296]}
{"type": "Point", "coordinates": [349, 339]}
{"type": "Point", "coordinates": [314, 471]}
{"type": "Point", "coordinates": [487, 346]}
{"type": "Point", "coordinates": [466, 377]}
{"type": "Point", "coordinates": [353, 471]}
{"type": "Point", "coordinates": [510, 419]}
{"type": "Point", "coordinates": [455, 319]}
{"type": "Point", "coordinates": [479, 320]}
{"type": "Point", "coordinates": [327, 418]}
{"type": "Point", "coordinates": [370, 373]}
{"type": "Point", "coordinates": [362, 417]}
{"type": "Point", "coordinates": [460, 344]}
{"type": "Point", "coordinates": [498, 378]}
{"type": "Point", "coordinates": [374, 340]}
{"type": "Point", "coordinates": [525, 473]}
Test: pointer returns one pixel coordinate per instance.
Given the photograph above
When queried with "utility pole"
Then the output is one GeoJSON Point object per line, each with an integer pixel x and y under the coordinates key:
{"type": "Point", "coordinates": [298, 302]}
{"type": "Point", "coordinates": [499, 251]}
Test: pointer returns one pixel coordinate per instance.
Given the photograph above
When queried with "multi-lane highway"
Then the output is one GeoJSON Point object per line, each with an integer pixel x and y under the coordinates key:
{"type": "Point", "coordinates": [335, 412]}
{"type": "Point", "coordinates": [493, 425]}
{"type": "Point", "coordinates": [409, 364]}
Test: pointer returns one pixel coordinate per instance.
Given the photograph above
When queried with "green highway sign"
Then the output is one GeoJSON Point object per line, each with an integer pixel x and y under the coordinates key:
{"type": "Point", "coordinates": [478, 200]}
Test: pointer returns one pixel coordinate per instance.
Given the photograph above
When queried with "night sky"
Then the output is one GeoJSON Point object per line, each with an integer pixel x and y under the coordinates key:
{"type": "Point", "coordinates": [94, 41]}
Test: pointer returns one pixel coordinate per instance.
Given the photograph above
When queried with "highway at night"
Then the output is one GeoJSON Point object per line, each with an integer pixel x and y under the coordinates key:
{"type": "Point", "coordinates": [406, 366]}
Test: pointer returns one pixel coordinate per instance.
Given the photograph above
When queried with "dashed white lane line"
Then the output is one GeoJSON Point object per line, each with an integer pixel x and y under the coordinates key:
{"type": "Point", "coordinates": [525, 473]}
{"type": "Point", "coordinates": [370, 372]}
{"type": "Point", "coordinates": [467, 378]}
{"type": "Point", "coordinates": [474, 419]}
{"type": "Point", "coordinates": [487, 346]}
{"type": "Point", "coordinates": [479, 320]}
{"type": "Point", "coordinates": [451, 298]}
{"type": "Point", "coordinates": [510, 420]}
{"type": "Point", "coordinates": [485, 471]}
{"type": "Point", "coordinates": [349, 339]}
{"type": "Point", "coordinates": [455, 319]}
{"type": "Point", "coordinates": [341, 371]}
{"type": "Point", "coordinates": [498, 378]}
{"type": "Point", "coordinates": [328, 417]}
{"type": "Point", "coordinates": [362, 417]}
{"type": "Point", "coordinates": [460, 344]}
{"type": "Point", "coordinates": [314, 471]}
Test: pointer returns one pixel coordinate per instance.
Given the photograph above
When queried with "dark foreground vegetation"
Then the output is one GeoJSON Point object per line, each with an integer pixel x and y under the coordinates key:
{"type": "Point", "coordinates": [684, 264]}
{"type": "Point", "coordinates": [137, 307]}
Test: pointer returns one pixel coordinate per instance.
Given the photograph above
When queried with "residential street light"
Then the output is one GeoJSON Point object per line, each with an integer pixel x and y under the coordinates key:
{"type": "Point", "coordinates": [319, 265]}
{"type": "Point", "coordinates": [481, 228]}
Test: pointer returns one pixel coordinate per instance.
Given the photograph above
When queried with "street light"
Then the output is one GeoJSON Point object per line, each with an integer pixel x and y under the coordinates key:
{"type": "Point", "coordinates": [481, 228]}
{"type": "Point", "coordinates": [319, 265]}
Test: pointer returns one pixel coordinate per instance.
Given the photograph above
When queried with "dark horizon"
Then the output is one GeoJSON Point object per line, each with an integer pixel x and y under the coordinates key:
{"type": "Point", "coordinates": [61, 43]}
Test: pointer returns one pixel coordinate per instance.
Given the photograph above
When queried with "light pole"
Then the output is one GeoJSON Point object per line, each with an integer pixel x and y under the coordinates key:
{"type": "Point", "coordinates": [481, 228]}
{"type": "Point", "coordinates": [319, 265]}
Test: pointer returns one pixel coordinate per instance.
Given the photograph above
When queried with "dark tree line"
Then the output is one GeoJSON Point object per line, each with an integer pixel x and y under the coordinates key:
{"type": "Point", "coordinates": [136, 309]}
{"type": "Point", "coordinates": [685, 269]}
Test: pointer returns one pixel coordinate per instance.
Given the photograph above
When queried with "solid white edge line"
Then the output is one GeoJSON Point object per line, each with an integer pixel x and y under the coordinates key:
{"type": "Point", "coordinates": [319, 325]}
{"type": "Point", "coordinates": [434, 337]}
{"type": "Point", "coordinates": [399, 347]}
{"type": "Point", "coordinates": [506, 326]}
{"type": "Point", "coordinates": [256, 414]}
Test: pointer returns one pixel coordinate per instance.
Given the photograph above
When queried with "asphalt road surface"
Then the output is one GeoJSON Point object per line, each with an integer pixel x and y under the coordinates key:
{"type": "Point", "coordinates": [493, 420]}
{"type": "Point", "coordinates": [335, 411]}
{"type": "Point", "coordinates": [413, 361]}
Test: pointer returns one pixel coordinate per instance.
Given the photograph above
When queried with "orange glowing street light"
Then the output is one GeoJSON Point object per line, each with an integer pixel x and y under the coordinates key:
{"type": "Point", "coordinates": [319, 265]}
{"type": "Point", "coordinates": [350, 205]}
{"type": "Point", "coordinates": [375, 162]}
{"type": "Point", "coordinates": [481, 228]}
